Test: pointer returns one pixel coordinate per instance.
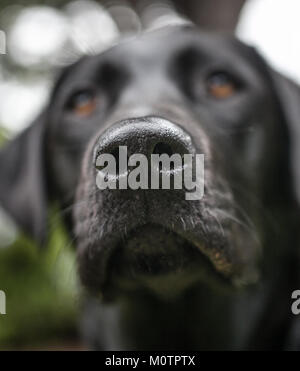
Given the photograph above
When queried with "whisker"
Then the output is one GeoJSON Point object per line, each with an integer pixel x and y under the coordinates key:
{"type": "Point", "coordinates": [183, 223]}
{"type": "Point", "coordinates": [239, 222]}
{"type": "Point", "coordinates": [217, 220]}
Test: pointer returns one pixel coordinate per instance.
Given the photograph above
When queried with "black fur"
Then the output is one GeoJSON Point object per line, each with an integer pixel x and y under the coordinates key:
{"type": "Point", "coordinates": [174, 274]}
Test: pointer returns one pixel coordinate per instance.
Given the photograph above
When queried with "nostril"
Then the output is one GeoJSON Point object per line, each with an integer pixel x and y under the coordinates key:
{"type": "Point", "coordinates": [115, 153]}
{"type": "Point", "coordinates": [163, 148]}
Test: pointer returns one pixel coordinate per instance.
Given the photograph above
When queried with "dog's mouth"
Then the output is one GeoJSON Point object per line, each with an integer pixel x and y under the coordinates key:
{"type": "Point", "coordinates": [161, 260]}
{"type": "Point", "coordinates": [156, 257]}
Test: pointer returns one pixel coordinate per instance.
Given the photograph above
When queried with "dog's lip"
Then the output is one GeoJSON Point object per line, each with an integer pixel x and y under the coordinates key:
{"type": "Point", "coordinates": [178, 258]}
{"type": "Point", "coordinates": [95, 264]}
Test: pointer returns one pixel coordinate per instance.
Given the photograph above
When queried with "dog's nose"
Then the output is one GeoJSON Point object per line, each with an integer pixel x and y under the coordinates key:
{"type": "Point", "coordinates": [147, 136]}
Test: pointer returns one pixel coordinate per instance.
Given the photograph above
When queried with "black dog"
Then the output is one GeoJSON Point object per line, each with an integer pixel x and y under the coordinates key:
{"type": "Point", "coordinates": [215, 273]}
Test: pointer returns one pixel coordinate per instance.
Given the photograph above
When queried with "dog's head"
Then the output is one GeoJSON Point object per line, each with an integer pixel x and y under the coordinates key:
{"type": "Point", "coordinates": [178, 92]}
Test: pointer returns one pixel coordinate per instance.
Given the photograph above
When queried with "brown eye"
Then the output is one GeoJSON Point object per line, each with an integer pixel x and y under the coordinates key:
{"type": "Point", "coordinates": [83, 103]}
{"type": "Point", "coordinates": [221, 85]}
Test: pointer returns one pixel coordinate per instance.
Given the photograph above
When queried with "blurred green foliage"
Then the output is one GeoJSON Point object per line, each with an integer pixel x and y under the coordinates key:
{"type": "Point", "coordinates": [41, 290]}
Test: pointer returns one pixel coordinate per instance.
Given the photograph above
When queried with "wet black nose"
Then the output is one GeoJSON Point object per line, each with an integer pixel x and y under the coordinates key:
{"type": "Point", "coordinates": [147, 136]}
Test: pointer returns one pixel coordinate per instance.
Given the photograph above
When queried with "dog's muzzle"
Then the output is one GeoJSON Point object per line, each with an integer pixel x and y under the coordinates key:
{"type": "Point", "coordinates": [130, 237]}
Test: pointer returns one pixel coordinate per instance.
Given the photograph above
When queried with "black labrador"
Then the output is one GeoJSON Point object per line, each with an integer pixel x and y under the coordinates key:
{"type": "Point", "coordinates": [164, 272]}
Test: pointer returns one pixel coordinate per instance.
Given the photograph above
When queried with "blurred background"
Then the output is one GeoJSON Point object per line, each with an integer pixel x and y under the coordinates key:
{"type": "Point", "coordinates": [37, 39]}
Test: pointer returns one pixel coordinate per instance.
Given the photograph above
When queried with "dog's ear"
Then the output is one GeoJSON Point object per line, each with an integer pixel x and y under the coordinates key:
{"type": "Point", "coordinates": [22, 180]}
{"type": "Point", "coordinates": [288, 96]}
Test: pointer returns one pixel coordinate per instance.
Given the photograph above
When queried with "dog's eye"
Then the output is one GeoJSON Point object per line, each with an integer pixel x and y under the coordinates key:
{"type": "Point", "coordinates": [83, 103]}
{"type": "Point", "coordinates": [221, 85]}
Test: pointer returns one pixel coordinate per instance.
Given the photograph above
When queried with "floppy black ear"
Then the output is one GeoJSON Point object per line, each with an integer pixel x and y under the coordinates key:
{"type": "Point", "coordinates": [288, 95]}
{"type": "Point", "coordinates": [22, 180]}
